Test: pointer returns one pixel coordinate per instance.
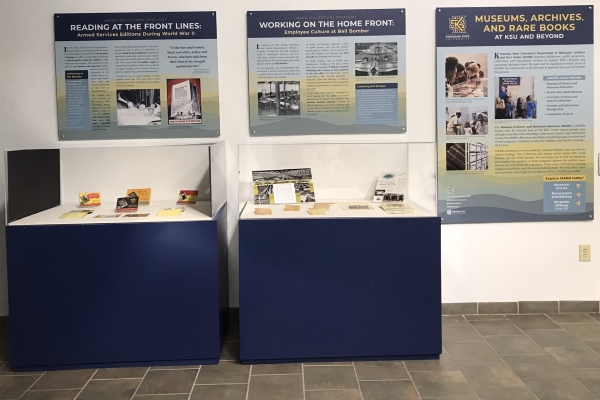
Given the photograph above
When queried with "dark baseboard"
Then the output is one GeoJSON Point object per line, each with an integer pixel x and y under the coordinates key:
{"type": "Point", "coordinates": [522, 307]}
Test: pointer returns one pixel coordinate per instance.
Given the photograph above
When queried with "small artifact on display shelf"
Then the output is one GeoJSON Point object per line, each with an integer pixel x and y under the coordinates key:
{"type": "Point", "coordinates": [143, 195]}
{"type": "Point", "coordinates": [108, 216]}
{"type": "Point", "coordinates": [397, 208]}
{"type": "Point", "coordinates": [316, 211]}
{"type": "Point", "coordinates": [127, 204]}
{"type": "Point", "coordinates": [289, 207]}
{"type": "Point", "coordinates": [301, 178]}
{"type": "Point", "coordinates": [75, 214]}
{"type": "Point", "coordinates": [262, 211]}
{"type": "Point", "coordinates": [89, 199]}
{"type": "Point", "coordinates": [135, 215]}
{"type": "Point", "coordinates": [170, 212]}
{"type": "Point", "coordinates": [391, 186]}
{"type": "Point", "coordinates": [354, 206]}
{"type": "Point", "coordinates": [187, 197]}
{"type": "Point", "coordinates": [324, 206]}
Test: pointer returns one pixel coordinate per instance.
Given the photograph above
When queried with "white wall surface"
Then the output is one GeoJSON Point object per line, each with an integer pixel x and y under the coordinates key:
{"type": "Point", "coordinates": [484, 262]}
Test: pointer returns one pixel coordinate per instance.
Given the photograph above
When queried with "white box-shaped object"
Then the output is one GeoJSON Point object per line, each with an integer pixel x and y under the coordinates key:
{"type": "Point", "coordinates": [343, 172]}
{"type": "Point", "coordinates": [42, 184]}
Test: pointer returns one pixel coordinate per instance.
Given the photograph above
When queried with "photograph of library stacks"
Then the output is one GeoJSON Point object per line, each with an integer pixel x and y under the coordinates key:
{"type": "Point", "coordinates": [442, 261]}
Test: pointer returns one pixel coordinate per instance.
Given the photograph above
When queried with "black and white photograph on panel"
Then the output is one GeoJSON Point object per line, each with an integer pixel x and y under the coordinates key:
{"type": "Point", "coordinates": [278, 98]}
{"type": "Point", "coordinates": [137, 107]}
{"type": "Point", "coordinates": [466, 75]}
{"type": "Point", "coordinates": [467, 120]}
{"type": "Point", "coordinates": [477, 156]}
{"type": "Point", "coordinates": [375, 59]}
{"type": "Point", "coordinates": [455, 157]}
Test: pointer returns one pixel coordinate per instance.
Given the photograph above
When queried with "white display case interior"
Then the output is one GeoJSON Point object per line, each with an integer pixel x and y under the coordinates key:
{"type": "Point", "coordinates": [42, 184]}
{"type": "Point", "coordinates": [343, 173]}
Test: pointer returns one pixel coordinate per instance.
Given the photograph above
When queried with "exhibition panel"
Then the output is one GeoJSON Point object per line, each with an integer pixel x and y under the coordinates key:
{"type": "Point", "coordinates": [144, 283]}
{"type": "Point", "coordinates": [367, 284]}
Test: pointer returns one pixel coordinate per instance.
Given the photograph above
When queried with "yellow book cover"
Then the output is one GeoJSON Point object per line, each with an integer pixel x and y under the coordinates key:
{"type": "Point", "coordinates": [143, 194]}
{"type": "Point", "coordinates": [170, 212]}
{"type": "Point", "coordinates": [89, 199]}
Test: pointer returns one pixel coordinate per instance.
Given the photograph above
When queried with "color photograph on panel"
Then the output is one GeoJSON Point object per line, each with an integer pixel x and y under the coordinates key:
{"type": "Point", "coordinates": [515, 121]}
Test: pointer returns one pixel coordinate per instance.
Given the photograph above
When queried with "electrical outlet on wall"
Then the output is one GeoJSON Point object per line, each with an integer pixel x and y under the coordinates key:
{"type": "Point", "coordinates": [585, 252]}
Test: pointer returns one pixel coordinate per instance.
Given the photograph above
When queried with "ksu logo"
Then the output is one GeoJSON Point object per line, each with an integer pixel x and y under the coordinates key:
{"type": "Point", "coordinates": [458, 24]}
{"type": "Point", "coordinates": [458, 27]}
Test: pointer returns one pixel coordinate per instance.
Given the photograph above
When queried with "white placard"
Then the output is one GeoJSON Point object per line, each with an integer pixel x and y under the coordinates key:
{"type": "Point", "coordinates": [284, 193]}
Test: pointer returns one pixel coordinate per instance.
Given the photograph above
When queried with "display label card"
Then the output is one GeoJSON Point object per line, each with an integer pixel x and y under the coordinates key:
{"type": "Point", "coordinates": [108, 216]}
{"type": "Point", "coordinates": [135, 215]}
{"type": "Point", "coordinates": [143, 194]}
{"type": "Point", "coordinates": [89, 199]}
{"type": "Point", "coordinates": [354, 206]}
{"type": "Point", "coordinates": [136, 75]}
{"type": "Point", "coordinates": [264, 181]}
{"type": "Point", "coordinates": [391, 186]}
{"type": "Point", "coordinates": [316, 211]}
{"type": "Point", "coordinates": [127, 204]}
{"type": "Point", "coordinates": [187, 197]}
{"type": "Point", "coordinates": [262, 211]}
{"type": "Point", "coordinates": [395, 208]}
{"type": "Point", "coordinates": [515, 105]}
{"type": "Point", "coordinates": [75, 214]}
{"type": "Point", "coordinates": [327, 72]}
{"type": "Point", "coordinates": [291, 208]}
{"type": "Point", "coordinates": [284, 193]}
{"type": "Point", "coordinates": [170, 212]}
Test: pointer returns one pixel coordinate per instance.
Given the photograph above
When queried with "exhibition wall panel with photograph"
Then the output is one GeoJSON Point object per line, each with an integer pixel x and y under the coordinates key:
{"type": "Point", "coordinates": [523, 84]}
{"type": "Point", "coordinates": [480, 262]}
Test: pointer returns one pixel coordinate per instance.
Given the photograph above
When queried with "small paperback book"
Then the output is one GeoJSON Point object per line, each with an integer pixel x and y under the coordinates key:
{"type": "Point", "coordinates": [89, 199]}
{"type": "Point", "coordinates": [273, 186]}
{"type": "Point", "coordinates": [127, 204]}
{"type": "Point", "coordinates": [391, 186]}
{"type": "Point", "coordinates": [143, 194]}
{"type": "Point", "coordinates": [187, 197]}
{"type": "Point", "coordinates": [75, 214]}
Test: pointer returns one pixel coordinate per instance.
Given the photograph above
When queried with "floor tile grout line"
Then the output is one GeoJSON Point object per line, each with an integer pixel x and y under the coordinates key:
{"type": "Point", "coordinates": [249, 378]}
{"type": "Point", "coordinates": [303, 384]}
{"type": "Point", "coordinates": [140, 384]}
{"type": "Point", "coordinates": [358, 382]}
{"type": "Point", "coordinates": [296, 373]}
{"type": "Point", "coordinates": [413, 382]}
{"type": "Point", "coordinates": [36, 381]}
{"type": "Point", "coordinates": [84, 386]}
{"type": "Point", "coordinates": [194, 384]}
{"type": "Point", "coordinates": [545, 352]}
{"type": "Point", "coordinates": [218, 384]}
{"type": "Point", "coordinates": [463, 375]}
{"type": "Point", "coordinates": [410, 376]}
{"type": "Point", "coordinates": [384, 380]}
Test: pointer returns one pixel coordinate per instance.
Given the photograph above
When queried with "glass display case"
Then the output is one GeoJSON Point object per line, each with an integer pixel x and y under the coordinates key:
{"type": "Point", "coordinates": [345, 174]}
{"type": "Point", "coordinates": [82, 289]}
{"type": "Point", "coordinates": [327, 271]}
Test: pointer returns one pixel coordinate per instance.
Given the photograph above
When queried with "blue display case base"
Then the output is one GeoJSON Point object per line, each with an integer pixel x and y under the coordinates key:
{"type": "Point", "coordinates": [117, 294]}
{"type": "Point", "coordinates": [340, 289]}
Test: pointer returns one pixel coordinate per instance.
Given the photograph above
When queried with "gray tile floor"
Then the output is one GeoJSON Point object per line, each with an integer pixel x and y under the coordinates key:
{"type": "Point", "coordinates": [491, 357]}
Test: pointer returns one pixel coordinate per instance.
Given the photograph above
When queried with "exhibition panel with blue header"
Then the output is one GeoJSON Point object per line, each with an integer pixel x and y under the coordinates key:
{"type": "Point", "coordinates": [515, 114]}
